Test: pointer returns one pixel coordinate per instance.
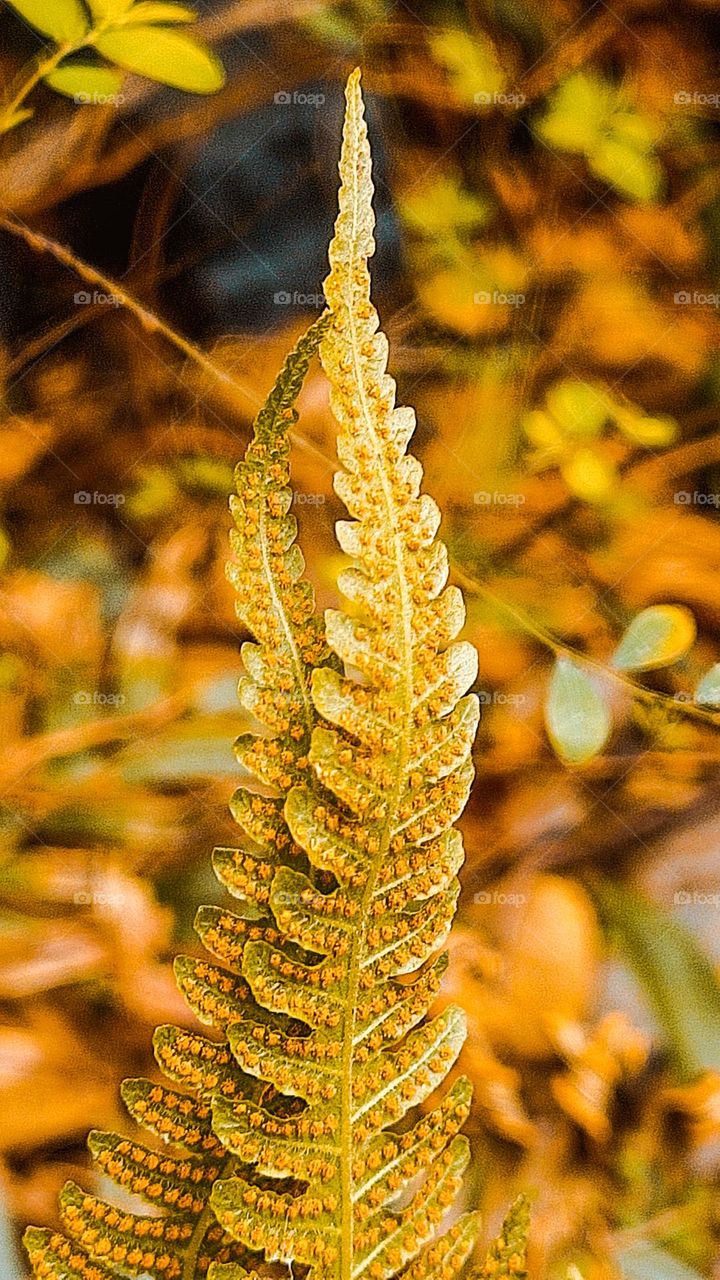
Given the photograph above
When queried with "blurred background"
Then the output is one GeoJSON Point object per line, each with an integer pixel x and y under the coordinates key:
{"type": "Point", "coordinates": [548, 201]}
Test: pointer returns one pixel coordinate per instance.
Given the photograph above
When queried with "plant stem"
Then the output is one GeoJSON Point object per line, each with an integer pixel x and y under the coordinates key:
{"type": "Point", "coordinates": [43, 67]}
{"type": "Point", "coordinates": [121, 297]}
{"type": "Point", "coordinates": [565, 650]}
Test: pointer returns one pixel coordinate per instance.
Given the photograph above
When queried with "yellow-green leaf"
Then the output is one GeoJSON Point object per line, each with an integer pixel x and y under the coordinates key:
{"type": "Point", "coordinates": [579, 109]}
{"type": "Point", "coordinates": [172, 57]}
{"type": "Point", "coordinates": [149, 11]}
{"type": "Point", "coordinates": [63, 20]}
{"type": "Point", "coordinates": [471, 62]}
{"type": "Point", "coordinates": [639, 130]}
{"type": "Point", "coordinates": [651, 432]}
{"type": "Point", "coordinates": [580, 408]}
{"type": "Point", "coordinates": [108, 8]}
{"type": "Point", "coordinates": [634, 173]}
{"type": "Point", "coordinates": [442, 207]}
{"type": "Point", "coordinates": [576, 715]}
{"type": "Point", "coordinates": [85, 83]}
{"type": "Point", "coordinates": [647, 1261]}
{"type": "Point", "coordinates": [655, 638]}
{"type": "Point", "coordinates": [544, 432]}
{"type": "Point", "coordinates": [708, 690]}
{"type": "Point", "coordinates": [589, 475]}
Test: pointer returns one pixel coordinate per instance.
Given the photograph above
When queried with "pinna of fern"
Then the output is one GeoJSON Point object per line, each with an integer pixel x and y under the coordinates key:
{"type": "Point", "coordinates": [182, 1239]}
{"type": "Point", "coordinates": [286, 1124]}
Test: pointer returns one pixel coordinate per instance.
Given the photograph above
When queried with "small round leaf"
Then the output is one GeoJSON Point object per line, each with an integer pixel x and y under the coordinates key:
{"type": "Point", "coordinates": [579, 407]}
{"type": "Point", "coordinates": [576, 715]}
{"type": "Point", "coordinates": [708, 690]}
{"type": "Point", "coordinates": [657, 637]}
{"type": "Point", "coordinates": [85, 83]}
{"type": "Point", "coordinates": [589, 475]}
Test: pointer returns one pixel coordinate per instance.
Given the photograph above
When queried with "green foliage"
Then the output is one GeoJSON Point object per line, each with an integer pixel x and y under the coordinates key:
{"type": "Point", "coordinates": [577, 714]}
{"type": "Point", "coordinates": [80, 80]}
{"type": "Point", "coordinates": [589, 114]}
{"type": "Point", "coordinates": [471, 62]}
{"type": "Point", "coordinates": [169, 56]}
{"type": "Point", "coordinates": [507, 1254]}
{"type": "Point", "coordinates": [707, 692]}
{"type": "Point", "coordinates": [657, 637]}
{"type": "Point", "coordinates": [650, 1262]}
{"type": "Point", "coordinates": [567, 432]}
{"type": "Point", "coordinates": [281, 1145]}
{"type": "Point", "coordinates": [62, 20]}
{"type": "Point", "coordinates": [577, 717]}
{"type": "Point", "coordinates": [130, 37]}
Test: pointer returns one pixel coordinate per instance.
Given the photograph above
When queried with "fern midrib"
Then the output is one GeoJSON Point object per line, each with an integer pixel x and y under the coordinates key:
{"type": "Point", "coordinates": [206, 1220]}
{"type": "Point", "coordinates": [403, 750]}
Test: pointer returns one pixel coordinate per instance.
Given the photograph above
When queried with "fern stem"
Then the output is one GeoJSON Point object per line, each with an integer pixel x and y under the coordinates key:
{"type": "Point", "coordinates": [206, 1220]}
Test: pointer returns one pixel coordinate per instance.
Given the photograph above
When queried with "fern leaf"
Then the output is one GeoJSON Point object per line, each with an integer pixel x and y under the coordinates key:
{"type": "Point", "coordinates": [321, 985]}
{"type": "Point", "coordinates": [385, 772]}
{"type": "Point", "coordinates": [507, 1254]}
{"type": "Point", "coordinates": [52, 1255]}
{"type": "Point", "coordinates": [183, 1238]}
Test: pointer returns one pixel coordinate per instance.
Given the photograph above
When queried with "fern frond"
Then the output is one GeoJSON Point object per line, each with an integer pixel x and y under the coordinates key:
{"type": "Point", "coordinates": [286, 1128]}
{"type": "Point", "coordinates": [183, 1238]}
{"type": "Point", "coordinates": [508, 1252]}
{"type": "Point", "coordinates": [389, 772]}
